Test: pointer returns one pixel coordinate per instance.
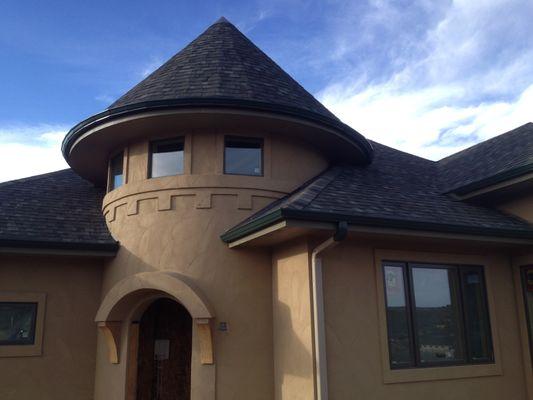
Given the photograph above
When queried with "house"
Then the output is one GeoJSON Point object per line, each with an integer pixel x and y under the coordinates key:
{"type": "Point", "coordinates": [222, 235]}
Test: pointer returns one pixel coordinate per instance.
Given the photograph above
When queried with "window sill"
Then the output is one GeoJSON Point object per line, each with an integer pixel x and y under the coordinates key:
{"type": "Point", "coordinates": [441, 373]}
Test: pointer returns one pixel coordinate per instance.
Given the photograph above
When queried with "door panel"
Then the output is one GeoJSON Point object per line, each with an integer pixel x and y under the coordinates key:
{"type": "Point", "coordinates": [164, 359]}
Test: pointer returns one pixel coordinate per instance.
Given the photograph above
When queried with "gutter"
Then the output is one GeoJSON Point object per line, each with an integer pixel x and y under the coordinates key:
{"type": "Point", "coordinates": [281, 214]}
{"type": "Point", "coordinates": [58, 248]}
{"type": "Point", "coordinates": [345, 132]}
{"type": "Point", "coordinates": [464, 191]}
{"type": "Point", "coordinates": [321, 373]}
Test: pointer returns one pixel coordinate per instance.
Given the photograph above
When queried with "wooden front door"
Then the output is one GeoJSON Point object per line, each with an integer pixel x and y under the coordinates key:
{"type": "Point", "coordinates": [164, 358]}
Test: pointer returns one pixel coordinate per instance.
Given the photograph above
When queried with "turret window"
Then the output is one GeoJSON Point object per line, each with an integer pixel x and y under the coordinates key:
{"type": "Point", "coordinates": [166, 158]}
{"type": "Point", "coordinates": [116, 171]}
{"type": "Point", "coordinates": [243, 156]}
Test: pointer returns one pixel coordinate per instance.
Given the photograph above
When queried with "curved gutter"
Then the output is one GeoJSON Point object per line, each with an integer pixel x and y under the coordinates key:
{"type": "Point", "coordinates": [321, 371]}
{"type": "Point", "coordinates": [347, 133]}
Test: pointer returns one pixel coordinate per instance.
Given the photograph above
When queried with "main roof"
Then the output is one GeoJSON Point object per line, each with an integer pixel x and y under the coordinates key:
{"type": "Point", "coordinates": [58, 210]}
{"type": "Point", "coordinates": [398, 190]}
{"type": "Point", "coordinates": [492, 161]}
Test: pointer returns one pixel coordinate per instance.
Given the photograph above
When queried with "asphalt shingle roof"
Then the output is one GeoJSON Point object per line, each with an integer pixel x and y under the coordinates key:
{"type": "Point", "coordinates": [396, 190]}
{"type": "Point", "coordinates": [57, 209]}
{"type": "Point", "coordinates": [223, 63]}
{"type": "Point", "coordinates": [502, 154]}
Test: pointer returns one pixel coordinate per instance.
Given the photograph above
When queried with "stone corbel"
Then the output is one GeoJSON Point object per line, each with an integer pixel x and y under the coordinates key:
{"type": "Point", "coordinates": [205, 337]}
{"type": "Point", "coordinates": [111, 331]}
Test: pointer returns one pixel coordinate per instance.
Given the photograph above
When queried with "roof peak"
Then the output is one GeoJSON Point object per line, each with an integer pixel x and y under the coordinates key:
{"type": "Point", "coordinates": [222, 63]}
{"type": "Point", "coordinates": [222, 20]}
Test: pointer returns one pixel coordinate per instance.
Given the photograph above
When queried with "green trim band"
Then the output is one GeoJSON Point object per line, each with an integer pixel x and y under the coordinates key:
{"type": "Point", "coordinates": [284, 214]}
{"type": "Point", "coordinates": [349, 134]}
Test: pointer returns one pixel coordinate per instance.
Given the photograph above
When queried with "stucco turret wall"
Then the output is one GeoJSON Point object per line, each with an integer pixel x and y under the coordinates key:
{"type": "Point", "coordinates": [174, 223]}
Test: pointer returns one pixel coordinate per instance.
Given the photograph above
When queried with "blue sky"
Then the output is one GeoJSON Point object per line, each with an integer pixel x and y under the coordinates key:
{"type": "Point", "coordinates": [427, 76]}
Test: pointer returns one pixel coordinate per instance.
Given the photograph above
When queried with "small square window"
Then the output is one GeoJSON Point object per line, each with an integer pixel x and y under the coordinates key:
{"type": "Point", "coordinates": [17, 323]}
{"type": "Point", "coordinates": [243, 156]}
{"type": "Point", "coordinates": [116, 171]}
{"type": "Point", "coordinates": [166, 158]}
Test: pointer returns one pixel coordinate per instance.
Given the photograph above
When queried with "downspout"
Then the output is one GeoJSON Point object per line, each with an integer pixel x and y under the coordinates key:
{"type": "Point", "coordinates": [321, 372]}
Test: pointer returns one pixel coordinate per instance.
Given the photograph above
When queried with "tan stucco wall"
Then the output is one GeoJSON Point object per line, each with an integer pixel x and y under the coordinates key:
{"type": "Point", "coordinates": [355, 351]}
{"type": "Point", "coordinates": [521, 206]}
{"type": "Point", "coordinates": [293, 327]}
{"type": "Point", "coordinates": [174, 224]}
{"type": "Point", "coordinates": [65, 370]}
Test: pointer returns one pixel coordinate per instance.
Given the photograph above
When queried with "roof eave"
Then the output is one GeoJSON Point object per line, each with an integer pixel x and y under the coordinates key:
{"type": "Point", "coordinates": [348, 133]}
{"type": "Point", "coordinates": [279, 215]}
{"type": "Point", "coordinates": [57, 247]}
{"type": "Point", "coordinates": [466, 190]}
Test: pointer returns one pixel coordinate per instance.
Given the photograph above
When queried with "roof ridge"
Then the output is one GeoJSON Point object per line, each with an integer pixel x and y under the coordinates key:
{"type": "Point", "coordinates": [33, 177]}
{"type": "Point", "coordinates": [309, 191]}
{"type": "Point", "coordinates": [402, 151]}
{"type": "Point", "coordinates": [484, 142]}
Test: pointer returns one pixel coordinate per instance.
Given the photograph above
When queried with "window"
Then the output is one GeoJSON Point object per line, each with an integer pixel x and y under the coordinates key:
{"type": "Point", "coordinates": [116, 171]}
{"type": "Point", "coordinates": [17, 323]}
{"type": "Point", "coordinates": [166, 158]}
{"type": "Point", "coordinates": [243, 156]}
{"type": "Point", "coordinates": [436, 315]}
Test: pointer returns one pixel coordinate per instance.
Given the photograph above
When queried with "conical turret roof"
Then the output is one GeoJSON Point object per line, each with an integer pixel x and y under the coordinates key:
{"type": "Point", "coordinates": [221, 64]}
{"type": "Point", "coordinates": [219, 78]}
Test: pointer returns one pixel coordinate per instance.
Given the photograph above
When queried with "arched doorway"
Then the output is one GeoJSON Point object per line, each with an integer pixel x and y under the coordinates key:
{"type": "Point", "coordinates": [164, 352]}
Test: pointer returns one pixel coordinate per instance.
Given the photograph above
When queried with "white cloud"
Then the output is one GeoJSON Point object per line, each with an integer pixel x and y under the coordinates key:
{"type": "Point", "coordinates": [30, 150]}
{"type": "Point", "coordinates": [468, 80]}
{"type": "Point", "coordinates": [105, 98]}
{"type": "Point", "coordinates": [421, 122]}
{"type": "Point", "coordinates": [150, 67]}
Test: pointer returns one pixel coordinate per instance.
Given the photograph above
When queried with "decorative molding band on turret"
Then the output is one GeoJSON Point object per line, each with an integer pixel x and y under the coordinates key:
{"type": "Point", "coordinates": [203, 199]}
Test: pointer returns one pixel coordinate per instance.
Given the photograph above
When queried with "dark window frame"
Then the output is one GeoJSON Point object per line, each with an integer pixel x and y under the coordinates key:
{"type": "Point", "coordinates": [410, 304]}
{"type": "Point", "coordinates": [154, 143]}
{"type": "Point", "coordinates": [110, 176]}
{"type": "Point", "coordinates": [523, 282]}
{"type": "Point", "coordinates": [245, 139]}
{"type": "Point", "coordinates": [31, 340]}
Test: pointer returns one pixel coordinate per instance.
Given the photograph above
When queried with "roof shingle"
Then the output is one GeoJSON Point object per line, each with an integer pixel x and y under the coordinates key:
{"type": "Point", "coordinates": [500, 155]}
{"type": "Point", "coordinates": [397, 189]}
{"type": "Point", "coordinates": [57, 209]}
{"type": "Point", "coordinates": [223, 63]}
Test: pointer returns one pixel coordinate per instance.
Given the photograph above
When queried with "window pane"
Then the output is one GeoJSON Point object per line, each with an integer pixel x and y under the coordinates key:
{"type": "Point", "coordinates": [243, 157]}
{"type": "Point", "coordinates": [117, 177]}
{"type": "Point", "coordinates": [437, 315]}
{"type": "Point", "coordinates": [397, 317]}
{"type": "Point", "coordinates": [477, 319]}
{"type": "Point", "coordinates": [17, 323]}
{"type": "Point", "coordinates": [167, 158]}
